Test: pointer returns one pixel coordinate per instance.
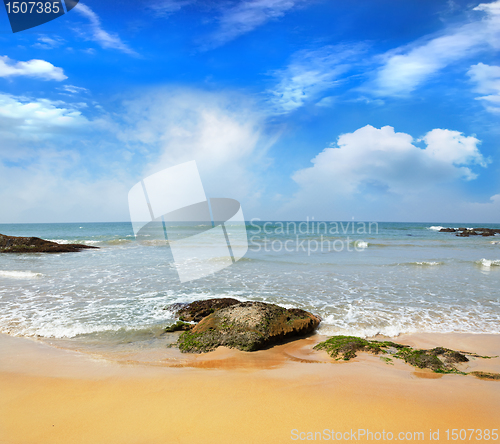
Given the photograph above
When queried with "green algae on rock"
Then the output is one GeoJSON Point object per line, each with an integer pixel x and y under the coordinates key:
{"type": "Point", "coordinates": [486, 375]}
{"type": "Point", "coordinates": [247, 326]}
{"type": "Point", "coordinates": [345, 347]}
{"type": "Point", "coordinates": [438, 359]}
{"type": "Point", "coordinates": [178, 326]}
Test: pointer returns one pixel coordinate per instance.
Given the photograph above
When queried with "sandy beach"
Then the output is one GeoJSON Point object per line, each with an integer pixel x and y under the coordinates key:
{"type": "Point", "coordinates": [287, 393]}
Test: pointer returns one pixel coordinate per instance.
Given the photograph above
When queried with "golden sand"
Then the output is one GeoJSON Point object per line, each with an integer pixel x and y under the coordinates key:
{"type": "Point", "coordinates": [279, 395]}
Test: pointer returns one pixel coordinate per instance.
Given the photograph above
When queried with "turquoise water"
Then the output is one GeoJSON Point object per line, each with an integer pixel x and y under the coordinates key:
{"type": "Point", "coordinates": [387, 278]}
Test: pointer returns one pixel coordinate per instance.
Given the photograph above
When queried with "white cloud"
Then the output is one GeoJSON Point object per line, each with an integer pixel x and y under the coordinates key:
{"type": "Point", "coordinates": [406, 68]}
{"type": "Point", "coordinates": [482, 211]}
{"type": "Point", "coordinates": [247, 15]}
{"type": "Point", "coordinates": [326, 102]}
{"type": "Point", "coordinates": [50, 181]}
{"type": "Point", "coordinates": [370, 166]}
{"type": "Point", "coordinates": [222, 132]}
{"type": "Point", "coordinates": [487, 80]}
{"type": "Point", "coordinates": [371, 155]}
{"type": "Point", "coordinates": [74, 89]}
{"type": "Point", "coordinates": [46, 42]}
{"type": "Point", "coordinates": [55, 188]}
{"type": "Point", "coordinates": [32, 68]}
{"type": "Point", "coordinates": [166, 7]}
{"type": "Point", "coordinates": [57, 165]}
{"type": "Point", "coordinates": [22, 118]}
{"type": "Point", "coordinates": [96, 33]}
{"type": "Point", "coordinates": [310, 73]}
{"type": "Point", "coordinates": [452, 148]}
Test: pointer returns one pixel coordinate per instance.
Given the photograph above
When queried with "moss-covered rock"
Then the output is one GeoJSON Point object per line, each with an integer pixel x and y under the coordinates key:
{"type": "Point", "coordinates": [438, 359]}
{"type": "Point", "coordinates": [13, 244]}
{"type": "Point", "coordinates": [345, 347]}
{"type": "Point", "coordinates": [178, 326]}
{"type": "Point", "coordinates": [247, 326]}
{"type": "Point", "coordinates": [486, 375]}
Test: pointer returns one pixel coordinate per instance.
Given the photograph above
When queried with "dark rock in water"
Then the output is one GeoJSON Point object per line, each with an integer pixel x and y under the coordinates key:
{"type": "Point", "coordinates": [12, 244]}
{"type": "Point", "coordinates": [175, 308]}
{"type": "Point", "coordinates": [466, 232]}
{"type": "Point", "coordinates": [487, 231]}
{"type": "Point", "coordinates": [196, 311]}
{"type": "Point", "coordinates": [247, 326]}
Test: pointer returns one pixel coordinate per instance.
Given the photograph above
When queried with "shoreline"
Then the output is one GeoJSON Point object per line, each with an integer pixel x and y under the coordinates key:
{"type": "Point", "coordinates": [50, 395]}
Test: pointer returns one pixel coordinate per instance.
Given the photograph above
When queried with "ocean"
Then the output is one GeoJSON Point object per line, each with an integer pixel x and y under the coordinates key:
{"type": "Point", "coordinates": [361, 279]}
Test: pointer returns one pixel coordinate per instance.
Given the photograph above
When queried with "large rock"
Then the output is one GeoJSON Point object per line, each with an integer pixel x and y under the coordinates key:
{"type": "Point", "coordinates": [197, 310]}
{"type": "Point", "coordinates": [247, 326]}
{"type": "Point", "coordinates": [13, 244]}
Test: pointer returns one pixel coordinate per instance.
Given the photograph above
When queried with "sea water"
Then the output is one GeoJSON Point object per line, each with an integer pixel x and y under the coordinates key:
{"type": "Point", "coordinates": [361, 279]}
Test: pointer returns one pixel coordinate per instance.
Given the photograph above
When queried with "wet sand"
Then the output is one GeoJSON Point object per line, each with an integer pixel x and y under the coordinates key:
{"type": "Point", "coordinates": [49, 395]}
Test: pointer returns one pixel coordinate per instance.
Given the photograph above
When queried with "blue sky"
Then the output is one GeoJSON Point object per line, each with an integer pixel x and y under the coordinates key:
{"type": "Point", "coordinates": [366, 109]}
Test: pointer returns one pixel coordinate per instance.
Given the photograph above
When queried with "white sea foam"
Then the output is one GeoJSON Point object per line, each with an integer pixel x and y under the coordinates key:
{"type": "Point", "coordinates": [367, 319]}
{"type": "Point", "coordinates": [400, 289]}
{"type": "Point", "coordinates": [361, 244]}
{"type": "Point", "coordinates": [65, 241]}
{"type": "Point", "coordinates": [435, 228]}
{"type": "Point", "coordinates": [391, 331]}
{"type": "Point", "coordinates": [430, 263]}
{"type": "Point", "coordinates": [487, 263]}
{"type": "Point", "coordinates": [19, 274]}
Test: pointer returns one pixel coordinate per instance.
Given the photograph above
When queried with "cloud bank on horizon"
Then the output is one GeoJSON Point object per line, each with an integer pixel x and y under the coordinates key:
{"type": "Point", "coordinates": [387, 111]}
